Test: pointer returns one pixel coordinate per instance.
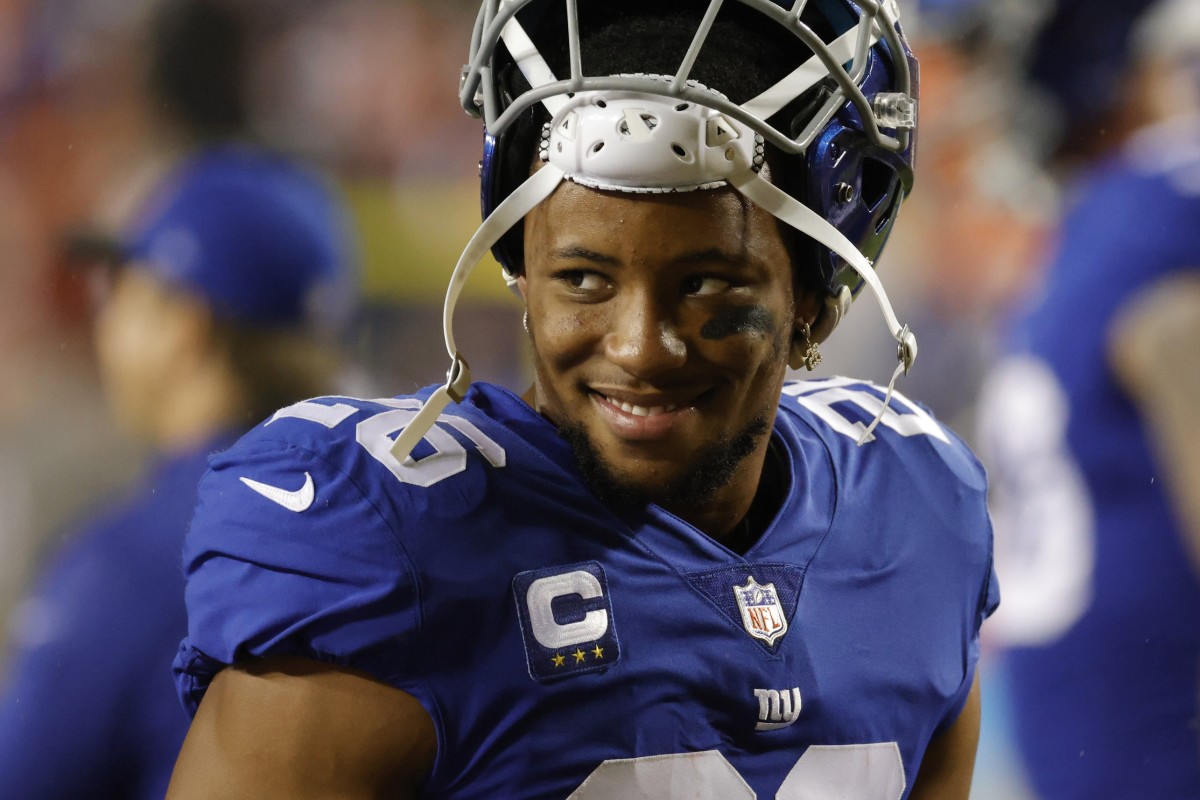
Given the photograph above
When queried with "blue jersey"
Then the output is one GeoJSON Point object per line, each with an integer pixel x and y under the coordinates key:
{"type": "Point", "coordinates": [562, 646]}
{"type": "Point", "coordinates": [88, 708]}
{"type": "Point", "coordinates": [1101, 601]}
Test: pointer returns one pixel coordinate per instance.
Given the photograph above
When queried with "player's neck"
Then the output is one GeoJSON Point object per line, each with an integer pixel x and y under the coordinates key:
{"type": "Point", "coordinates": [772, 487]}
{"type": "Point", "coordinates": [740, 512]}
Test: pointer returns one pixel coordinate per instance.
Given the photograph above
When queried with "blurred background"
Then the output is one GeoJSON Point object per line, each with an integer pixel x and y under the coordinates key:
{"type": "Point", "coordinates": [366, 90]}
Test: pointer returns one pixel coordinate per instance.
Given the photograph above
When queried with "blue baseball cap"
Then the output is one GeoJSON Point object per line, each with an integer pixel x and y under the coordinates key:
{"type": "Point", "coordinates": [262, 239]}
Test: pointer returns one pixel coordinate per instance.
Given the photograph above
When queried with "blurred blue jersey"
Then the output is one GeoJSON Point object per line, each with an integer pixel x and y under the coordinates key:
{"type": "Point", "coordinates": [562, 646]}
{"type": "Point", "coordinates": [88, 709]}
{"type": "Point", "coordinates": [1101, 600]}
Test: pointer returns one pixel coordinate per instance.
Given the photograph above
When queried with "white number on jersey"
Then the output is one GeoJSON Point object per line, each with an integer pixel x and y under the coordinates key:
{"type": "Point", "coordinates": [825, 772]}
{"type": "Point", "coordinates": [819, 397]}
{"type": "Point", "coordinates": [377, 433]}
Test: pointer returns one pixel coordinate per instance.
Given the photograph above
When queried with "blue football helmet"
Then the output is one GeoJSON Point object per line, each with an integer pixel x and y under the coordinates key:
{"type": "Point", "coordinates": [834, 125]}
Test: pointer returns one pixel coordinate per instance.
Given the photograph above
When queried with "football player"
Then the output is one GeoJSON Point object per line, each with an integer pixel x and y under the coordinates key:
{"type": "Point", "coordinates": [662, 571]}
{"type": "Point", "coordinates": [1089, 429]}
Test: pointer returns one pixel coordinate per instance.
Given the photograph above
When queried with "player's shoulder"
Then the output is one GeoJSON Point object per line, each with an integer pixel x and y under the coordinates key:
{"type": "Point", "coordinates": [908, 445]}
{"type": "Point", "coordinates": [337, 451]}
{"type": "Point", "coordinates": [318, 425]}
{"type": "Point", "coordinates": [338, 429]}
{"type": "Point", "coordinates": [912, 492]}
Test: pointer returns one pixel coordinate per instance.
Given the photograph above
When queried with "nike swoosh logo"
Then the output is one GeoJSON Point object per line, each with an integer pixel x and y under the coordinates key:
{"type": "Point", "coordinates": [297, 501]}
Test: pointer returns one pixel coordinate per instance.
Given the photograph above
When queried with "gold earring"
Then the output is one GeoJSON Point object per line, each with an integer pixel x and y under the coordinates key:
{"type": "Point", "coordinates": [812, 352]}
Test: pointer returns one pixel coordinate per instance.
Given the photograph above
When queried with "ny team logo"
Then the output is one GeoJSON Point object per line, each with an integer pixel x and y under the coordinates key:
{"type": "Point", "coordinates": [762, 613]}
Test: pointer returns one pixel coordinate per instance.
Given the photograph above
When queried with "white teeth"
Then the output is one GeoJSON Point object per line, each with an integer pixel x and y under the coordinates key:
{"type": "Point", "coordinates": [641, 411]}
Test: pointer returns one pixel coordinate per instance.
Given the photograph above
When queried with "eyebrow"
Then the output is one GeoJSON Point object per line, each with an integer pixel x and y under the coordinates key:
{"type": "Point", "coordinates": [580, 253]}
{"type": "Point", "coordinates": [710, 255]}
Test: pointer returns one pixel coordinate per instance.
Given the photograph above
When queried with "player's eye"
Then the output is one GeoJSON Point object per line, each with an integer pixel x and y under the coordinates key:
{"type": "Point", "coordinates": [703, 285]}
{"type": "Point", "coordinates": [583, 280]}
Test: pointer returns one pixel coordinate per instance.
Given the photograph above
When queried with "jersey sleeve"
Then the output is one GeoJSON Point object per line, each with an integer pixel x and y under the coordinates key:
{"type": "Point", "coordinates": [286, 555]}
{"type": "Point", "coordinates": [987, 594]}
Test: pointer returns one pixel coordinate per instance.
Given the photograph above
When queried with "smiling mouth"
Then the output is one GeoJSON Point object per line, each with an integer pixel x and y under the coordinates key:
{"type": "Point", "coordinates": [654, 418]}
{"type": "Point", "coordinates": [636, 410]}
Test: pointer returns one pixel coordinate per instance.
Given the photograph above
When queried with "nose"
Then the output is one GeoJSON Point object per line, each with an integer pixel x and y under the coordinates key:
{"type": "Point", "coordinates": [644, 339]}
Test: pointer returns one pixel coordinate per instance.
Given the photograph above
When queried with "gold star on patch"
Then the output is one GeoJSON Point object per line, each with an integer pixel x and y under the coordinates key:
{"type": "Point", "coordinates": [598, 651]}
{"type": "Point", "coordinates": [579, 656]}
{"type": "Point", "coordinates": [558, 659]}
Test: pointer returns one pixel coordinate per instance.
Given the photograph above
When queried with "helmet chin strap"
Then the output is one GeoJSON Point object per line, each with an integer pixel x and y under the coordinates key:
{"type": "Point", "coordinates": [458, 378]}
{"type": "Point", "coordinates": [540, 185]}
{"type": "Point", "coordinates": [612, 141]}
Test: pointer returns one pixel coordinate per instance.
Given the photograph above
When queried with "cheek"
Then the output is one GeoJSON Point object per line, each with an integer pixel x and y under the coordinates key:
{"type": "Point", "coordinates": [739, 320]}
{"type": "Point", "coordinates": [562, 334]}
{"type": "Point", "coordinates": [746, 334]}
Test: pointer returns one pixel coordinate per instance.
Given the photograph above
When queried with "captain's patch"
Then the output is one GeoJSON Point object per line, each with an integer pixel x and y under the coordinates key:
{"type": "Point", "coordinates": [566, 620]}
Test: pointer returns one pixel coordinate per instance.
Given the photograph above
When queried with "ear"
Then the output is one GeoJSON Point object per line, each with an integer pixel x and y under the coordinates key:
{"type": "Point", "coordinates": [833, 309]}
{"type": "Point", "coordinates": [808, 309]}
{"type": "Point", "coordinates": [519, 284]}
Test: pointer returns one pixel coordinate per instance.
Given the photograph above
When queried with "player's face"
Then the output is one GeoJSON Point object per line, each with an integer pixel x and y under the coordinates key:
{"type": "Point", "coordinates": [661, 326]}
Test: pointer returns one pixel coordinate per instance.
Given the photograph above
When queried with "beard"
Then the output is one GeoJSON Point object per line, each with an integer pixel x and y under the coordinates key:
{"type": "Point", "coordinates": [713, 467]}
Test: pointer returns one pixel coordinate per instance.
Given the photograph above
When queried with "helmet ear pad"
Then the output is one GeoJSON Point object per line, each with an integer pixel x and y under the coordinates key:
{"type": "Point", "coordinates": [858, 187]}
{"type": "Point", "coordinates": [507, 174]}
{"type": "Point", "coordinates": [508, 160]}
{"type": "Point", "coordinates": [855, 184]}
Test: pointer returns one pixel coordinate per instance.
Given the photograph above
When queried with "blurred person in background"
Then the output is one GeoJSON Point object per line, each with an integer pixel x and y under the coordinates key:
{"type": "Point", "coordinates": [219, 299]}
{"type": "Point", "coordinates": [82, 139]}
{"type": "Point", "coordinates": [1089, 427]}
{"type": "Point", "coordinates": [351, 85]}
{"type": "Point", "coordinates": [204, 326]}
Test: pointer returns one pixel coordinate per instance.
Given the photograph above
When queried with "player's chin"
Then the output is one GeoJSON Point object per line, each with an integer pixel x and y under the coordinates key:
{"type": "Point", "coordinates": [635, 482]}
{"type": "Point", "coordinates": [652, 461]}
{"type": "Point", "coordinates": [649, 471]}
{"type": "Point", "coordinates": [620, 471]}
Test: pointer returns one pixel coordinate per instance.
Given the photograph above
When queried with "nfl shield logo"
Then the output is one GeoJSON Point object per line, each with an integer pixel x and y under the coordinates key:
{"type": "Point", "coordinates": [762, 613]}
